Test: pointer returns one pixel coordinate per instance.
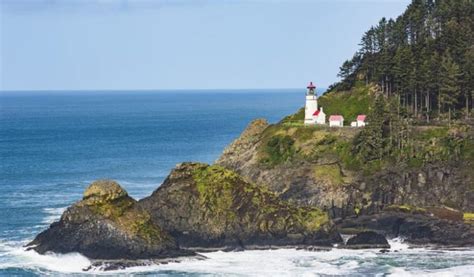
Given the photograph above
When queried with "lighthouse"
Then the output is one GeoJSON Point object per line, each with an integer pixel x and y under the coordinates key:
{"type": "Point", "coordinates": [311, 106]}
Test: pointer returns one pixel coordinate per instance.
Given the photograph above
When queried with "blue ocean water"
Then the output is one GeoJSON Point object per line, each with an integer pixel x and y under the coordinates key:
{"type": "Point", "coordinates": [53, 144]}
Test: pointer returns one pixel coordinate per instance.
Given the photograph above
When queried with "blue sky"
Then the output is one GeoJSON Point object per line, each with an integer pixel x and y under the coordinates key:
{"type": "Point", "coordinates": [195, 44]}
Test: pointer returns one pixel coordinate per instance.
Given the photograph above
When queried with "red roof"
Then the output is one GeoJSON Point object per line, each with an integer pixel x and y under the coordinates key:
{"type": "Point", "coordinates": [361, 117]}
{"type": "Point", "coordinates": [316, 113]}
{"type": "Point", "coordinates": [336, 117]}
{"type": "Point", "coordinates": [311, 86]}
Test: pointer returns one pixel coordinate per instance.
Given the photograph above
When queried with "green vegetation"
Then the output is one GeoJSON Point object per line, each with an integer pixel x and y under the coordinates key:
{"type": "Point", "coordinates": [111, 209]}
{"type": "Point", "coordinates": [107, 199]}
{"type": "Point", "coordinates": [405, 209]}
{"type": "Point", "coordinates": [312, 218]}
{"type": "Point", "coordinates": [440, 144]}
{"type": "Point", "coordinates": [279, 149]}
{"type": "Point", "coordinates": [296, 118]}
{"type": "Point", "coordinates": [424, 59]}
{"type": "Point", "coordinates": [414, 78]}
{"type": "Point", "coordinates": [228, 200]}
{"type": "Point", "coordinates": [390, 138]}
{"type": "Point", "coordinates": [287, 143]}
{"type": "Point", "coordinates": [331, 173]}
{"type": "Point", "coordinates": [349, 104]}
{"type": "Point", "coordinates": [468, 218]}
{"type": "Point", "coordinates": [215, 186]}
{"type": "Point", "coordinates": [353, 231]}
{"type": "Point", "coordinates": [416, 68]}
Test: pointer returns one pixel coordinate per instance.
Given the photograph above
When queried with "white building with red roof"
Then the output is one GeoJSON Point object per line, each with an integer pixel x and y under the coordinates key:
{"type": "Point", "coordinates": [336, 120]}
{"type": "Point", "coordinates": [319, 117]}
{"type": "Point", "coordinates": [361, 120]}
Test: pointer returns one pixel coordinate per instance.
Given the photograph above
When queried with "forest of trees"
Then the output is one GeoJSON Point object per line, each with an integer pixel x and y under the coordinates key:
{"type": "Point", "coordinates": [424, 60]}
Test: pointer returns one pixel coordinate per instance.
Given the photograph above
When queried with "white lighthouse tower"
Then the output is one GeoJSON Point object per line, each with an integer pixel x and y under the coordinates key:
{"type": "Point", "coordinates": [311, 104]}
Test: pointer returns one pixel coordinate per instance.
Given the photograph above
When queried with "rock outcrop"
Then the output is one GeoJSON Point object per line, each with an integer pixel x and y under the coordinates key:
{"type": "Point", "coordinates": [242, 150]}
{"type": "Point", "coordinates": [415, 227]}
{"type": "Point", "coordinates": [367, 239]}
{"type": "Point", "coordinates": [197, 207]}
{"type": "Point", "coordinates": [107, 224]}
{"type": "Point", "coordinates": [210, 207]}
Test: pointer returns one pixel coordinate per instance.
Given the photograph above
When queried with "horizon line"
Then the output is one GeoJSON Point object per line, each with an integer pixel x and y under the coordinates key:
{"type": "Point", "coordinates": [150, 90]}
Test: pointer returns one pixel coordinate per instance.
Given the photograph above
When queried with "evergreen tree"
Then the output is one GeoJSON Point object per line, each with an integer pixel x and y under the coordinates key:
{"type": "Point", "coordinates": [403, 58]}
{"type": "Point", "coordinates": [370, 143]}
{"type": "Point", "coordinates": [469, 80]}
{"type": "Point", "coordinates": [449, 87]}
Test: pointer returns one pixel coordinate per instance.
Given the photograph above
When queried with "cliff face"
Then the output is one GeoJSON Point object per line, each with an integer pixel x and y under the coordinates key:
{"type": "Point", "coordinates": [206, 206]}
{"type": "Point", "coordinates": [314, 166]}
{"type": "Point", "coordinates": [198, 206]}
{"type": "Point", "coordinates": [107, 224]}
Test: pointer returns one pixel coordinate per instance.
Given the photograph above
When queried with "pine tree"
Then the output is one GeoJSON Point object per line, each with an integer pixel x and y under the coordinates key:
{"type": "Point", "coordinates": [469, 80]}
{"type": "Point", "coordinates": [403, 58]}
{"type": "Point", "coordinates": [370, 143]}
{"type": "Point", "coordinates": [449, 90]}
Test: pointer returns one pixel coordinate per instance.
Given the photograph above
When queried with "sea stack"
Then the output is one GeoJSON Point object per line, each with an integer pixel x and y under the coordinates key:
{"type": "Point", "coordinates": [107, 224]}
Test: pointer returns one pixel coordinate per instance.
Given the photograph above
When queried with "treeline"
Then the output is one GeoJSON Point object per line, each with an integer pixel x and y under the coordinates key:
{"type": "Point", "coordinates": [424, 59]}
{"type": "Point", "coordinates": [389, 137]}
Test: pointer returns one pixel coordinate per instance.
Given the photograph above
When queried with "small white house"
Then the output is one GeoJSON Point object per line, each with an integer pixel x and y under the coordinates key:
{"type": "Point", "coordinates": [361, 120]}
{"type": "Point", "coordinates": [336, 120]}
{"type": "Point", "coordinates": [319, 117]}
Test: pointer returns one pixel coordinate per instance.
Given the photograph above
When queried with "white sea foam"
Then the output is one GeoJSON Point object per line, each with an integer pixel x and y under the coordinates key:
{"type": "Point", "coordinates": [282, 262]}
{"type": "Point", "coordinates": [464, 270]}
{"type": "Point", "coordinates": [16, 256]}
{"type": "Point", "coordinates": [396, 244]}
{"type": "Point", "coordinates": [52, 214]}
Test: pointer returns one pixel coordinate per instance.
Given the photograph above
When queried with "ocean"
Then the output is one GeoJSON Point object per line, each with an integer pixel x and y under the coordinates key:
{"type": "Point", "coordinates": [53, 144]}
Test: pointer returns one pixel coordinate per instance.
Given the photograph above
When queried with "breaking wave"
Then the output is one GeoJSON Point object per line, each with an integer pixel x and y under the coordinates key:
{"type": "Point", "coordinates": [400, 261]}
{"type": "Point", "coordinates": [17, 257]}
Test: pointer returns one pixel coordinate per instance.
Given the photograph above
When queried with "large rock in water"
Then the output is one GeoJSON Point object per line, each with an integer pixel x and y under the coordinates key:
{"type": "Point", "coordinates": [367, 239]}
{"type": "Point", "coordinates": [107, 224]}
{"type": "Point", "coordinates": [415, 228]}
{"type": "Point", "coordinates": [207, 207]}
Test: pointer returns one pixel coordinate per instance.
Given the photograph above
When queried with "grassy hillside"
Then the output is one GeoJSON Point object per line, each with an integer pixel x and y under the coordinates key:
{"type": "Point", "coordinates": [349, 104]}
{"type": "Point", "coordinates": [290, 141]}
{"type": "Point", "coordinates": [284, 142]}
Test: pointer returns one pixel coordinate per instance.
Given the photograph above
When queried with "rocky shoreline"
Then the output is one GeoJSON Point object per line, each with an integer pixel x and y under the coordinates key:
{"type": "Point", "coordinates": [102, 228]}
{"type": "Point", "coordinates": [231, 206]}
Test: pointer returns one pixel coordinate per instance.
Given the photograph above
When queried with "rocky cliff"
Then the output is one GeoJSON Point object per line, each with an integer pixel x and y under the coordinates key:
{"type": "Point", "coordinates": [205, 206]}
{"type": "Point", "coordinates": [313, 166]}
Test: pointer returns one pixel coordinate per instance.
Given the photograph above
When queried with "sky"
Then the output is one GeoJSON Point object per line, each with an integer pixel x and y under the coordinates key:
{"type": "Point", "coordinates": [177, 44]}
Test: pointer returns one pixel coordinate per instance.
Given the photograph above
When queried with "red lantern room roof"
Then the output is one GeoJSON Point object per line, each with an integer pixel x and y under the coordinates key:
{"type": "Point", "coordinates": [311, 86]}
